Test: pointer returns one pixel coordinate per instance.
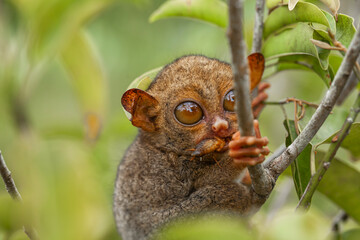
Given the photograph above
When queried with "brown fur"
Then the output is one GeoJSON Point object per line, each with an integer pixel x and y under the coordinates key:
{"type": "Point", "coordinates": [157, 181]}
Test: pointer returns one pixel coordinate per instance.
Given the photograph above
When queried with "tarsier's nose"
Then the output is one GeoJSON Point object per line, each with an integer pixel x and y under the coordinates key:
{"type": "Point", "coordinates": [220, 126]}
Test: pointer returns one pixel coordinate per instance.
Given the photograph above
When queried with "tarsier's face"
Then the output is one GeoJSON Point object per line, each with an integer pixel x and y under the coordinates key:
{"type": "Point", "coordinates": [197, 100]}
{"type": "Point", "coordinates": [191, 106]}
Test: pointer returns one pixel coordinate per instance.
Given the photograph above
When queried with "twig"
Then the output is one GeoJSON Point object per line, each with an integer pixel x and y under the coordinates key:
{"type": "Point", "coordinates": [326, 161]}
{"type": "Point", "coordinates": [278, 165]}
{"type": "Point", "coordinates": [14, 193]}
{"type": "Point", "coordinates": [262, 182]}
{"type": "Point", "coordinates": [8, 180]}
{"type": "Point", "coordinates": [258, 26]}
{"type": "Point", "coordinates": [288, 100]}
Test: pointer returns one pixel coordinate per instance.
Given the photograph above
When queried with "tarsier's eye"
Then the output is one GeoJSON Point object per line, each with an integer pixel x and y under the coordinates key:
{"type": "Point", "coordinates": [229, 101]}
{"type": "Point", "coordinates": [188, 113]}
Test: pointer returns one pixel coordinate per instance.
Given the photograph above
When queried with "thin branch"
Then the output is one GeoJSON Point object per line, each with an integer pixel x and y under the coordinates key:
{"type": "Point", "coordinates": [14, 193]}
{"type": "Point", "coordinates": [305, 200]}
{"type": "Point", "coordinates": [258, 26]}
{"type": "Point", "coordinates": [289, 100]}
{"type": "Point", "coordinates": [8, 180]}
{"type": "Point", "coordinates": [262, 182]}
{"type": "Point", "coordinates": [278, 165]}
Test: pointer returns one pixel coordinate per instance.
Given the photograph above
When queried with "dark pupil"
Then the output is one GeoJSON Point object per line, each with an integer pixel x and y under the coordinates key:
{"type": "Point", "coordinates": [229, 101]}
{"type": "Point", "coordinates": [188, 113]}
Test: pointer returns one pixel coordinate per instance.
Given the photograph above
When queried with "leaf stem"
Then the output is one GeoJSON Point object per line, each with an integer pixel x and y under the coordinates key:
{"type": "Point", "coordinates": [305, 200]}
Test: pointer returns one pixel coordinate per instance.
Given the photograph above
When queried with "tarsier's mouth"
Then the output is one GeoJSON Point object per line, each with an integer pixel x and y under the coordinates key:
{"type": "Point", "coordinates": [210, 145]}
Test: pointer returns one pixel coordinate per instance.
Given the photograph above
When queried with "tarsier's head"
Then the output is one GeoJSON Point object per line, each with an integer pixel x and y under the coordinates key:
{"type": "Point", "coordinates": [189, 106]}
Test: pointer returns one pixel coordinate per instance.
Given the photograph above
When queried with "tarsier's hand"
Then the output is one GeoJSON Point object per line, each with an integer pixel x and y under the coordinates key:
{"type": "Point", "coordinates": [257, 103]}
{"type": "Point", "coordinates": [249, 150]}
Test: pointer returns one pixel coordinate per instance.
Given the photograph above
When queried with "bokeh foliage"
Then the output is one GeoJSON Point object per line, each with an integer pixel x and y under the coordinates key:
{"type": "Point", "coordinates": [64, 65]}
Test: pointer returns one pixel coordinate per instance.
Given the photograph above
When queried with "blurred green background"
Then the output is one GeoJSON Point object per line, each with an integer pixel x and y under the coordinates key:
{"type": "Point", "coordinates": [63, 68]}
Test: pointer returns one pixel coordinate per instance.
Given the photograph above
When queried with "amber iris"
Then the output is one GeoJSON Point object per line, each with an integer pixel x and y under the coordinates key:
{"type": "Point", "coordinates": [188, 113]}
{"type": "Point", "coordinates": [229, 101]}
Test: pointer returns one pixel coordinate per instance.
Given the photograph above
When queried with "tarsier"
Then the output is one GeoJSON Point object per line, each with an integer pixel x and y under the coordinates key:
{"type": "Point", "coordinates": [188, 157]}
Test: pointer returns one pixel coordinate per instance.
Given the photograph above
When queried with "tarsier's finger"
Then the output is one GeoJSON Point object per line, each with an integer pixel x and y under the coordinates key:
{"type": "Point", "coordinates": [262, 96]}
{"type": "Point", "coordinates": [257, 129]}
{"type": "Point", "coordinates": [248, 141]}
{"type": "Point", "coordinates": [249, 161]}
{"type": "Point", "coordinates": [248, 152]}
{"type": "Point", "coordinates": [236, 135]}
{"type": "Point", "coordinates": [263, 86]}
{"type": "Point", "coordinates": [257, 110]}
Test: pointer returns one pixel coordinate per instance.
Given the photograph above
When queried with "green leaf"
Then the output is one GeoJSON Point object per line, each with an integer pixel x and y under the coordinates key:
{"type": "Point", "coordinates": [300, 62]}
{"type": "Point", "coordinates": [294, 41]}
{"type": "Point", "coordinates": [300, 167]}
{"type": "Point", "coordinates": [341, 185]}
{"type": "Point", "coordinates": [322, 30]}
{"type": "Point", "coordinates": [303, 12]}
{"type": "Point", "coordinates": [351, 142]}
{"type": "Point", "coordinates": [292, 4]}
{"type": "Point", "coordinates": [143, 82]}
{"type": "Point", "coordinates": [322, 54]}
{"type": "Point", "coordinates": [331, 20]}
{"type": "Point", "coordinates": [88, 81]}
{"type": "Point", "coordinates": [331, 125]}
{"type": "Point", "coordinates": [273, 3]}
{"type": "Point", "coordinates": [335, 62]}
{"type": "Point", "coordinates": [345, 29]}
{"type": "Point", "coordinates": [334, 5]}
{"type": "Point", "coordinates": [211, 11]}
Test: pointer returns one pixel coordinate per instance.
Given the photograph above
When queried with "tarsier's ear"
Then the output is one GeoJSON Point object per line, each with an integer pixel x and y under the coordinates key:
{"type": "Point", "coordinates": [143, 108]}
{"type": "Point", "coordinates": [256, 69]}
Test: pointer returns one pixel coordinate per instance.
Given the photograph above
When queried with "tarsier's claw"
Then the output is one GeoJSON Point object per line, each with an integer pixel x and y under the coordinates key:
{"type": "Point", "coordinates": [249, 150]}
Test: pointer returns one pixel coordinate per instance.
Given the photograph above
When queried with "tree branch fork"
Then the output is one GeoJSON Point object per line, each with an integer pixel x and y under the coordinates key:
{"type": "Point", "coordinates": [265, 175]}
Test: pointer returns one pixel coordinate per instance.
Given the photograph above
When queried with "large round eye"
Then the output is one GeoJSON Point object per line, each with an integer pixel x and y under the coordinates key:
{"type": "Point", "coordinates": [229, 101]}
{"type": "Point", "coordinates": [188, 113]}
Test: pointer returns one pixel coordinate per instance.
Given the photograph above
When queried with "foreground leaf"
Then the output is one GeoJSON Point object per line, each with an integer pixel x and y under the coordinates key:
{"type": "Point", "coordinates": [88, 81]}
{"type": "Point", "coordinates": [295, 41]}
{"type": "Point", "coordinates": [300, 167]}
{"type": "Point", "coordinates": [303, 12]}
{"type": "Point", "coordinates": [211, 11]}
{"type": "Point", "coordinates": [292, 4]}
{"type": "Point", "coordinates": [300, 62]}
{"type": "Point", "coordinates": [334, 5]}
{"type": "Point", "coordinates": [341, 185]}
{"type": "Point", "coordinates": [345, 29]}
